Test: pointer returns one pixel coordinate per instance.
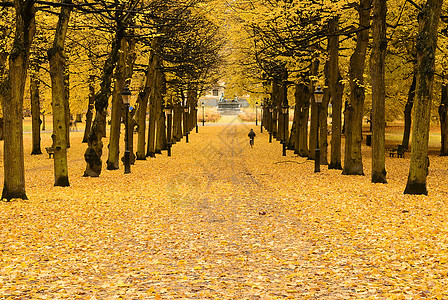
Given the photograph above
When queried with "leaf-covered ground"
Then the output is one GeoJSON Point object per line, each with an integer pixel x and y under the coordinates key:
{"type": "Point", "coordinates": [221, 220]}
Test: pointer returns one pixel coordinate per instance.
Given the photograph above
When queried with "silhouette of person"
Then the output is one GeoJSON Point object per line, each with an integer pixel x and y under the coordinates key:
{"type": "Point", "coordinates": [251, 136]}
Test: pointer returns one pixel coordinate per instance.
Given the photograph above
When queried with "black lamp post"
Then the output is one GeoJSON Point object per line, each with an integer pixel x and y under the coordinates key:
{"type": "Point", "coordinates": [169, 115]}
{"type": "Point", "coordinates": [285, 110]}
{"type": "Point", "coordinates": [318, 96]}
{"type": "Point", "coordinates": [126, 95]}
{"type": "Point", "coordinates": [262, 117]}
{"type": "Point", "coordinates": [203, 114]}
{"type": "Point", "coordinates": [270, 123]}
{"type": "Point", "coordinates": [256, 113]}
{"type": "Point", "coordinates": [196, 118]}
{"type": "Point", "coordinates": [186, 109]}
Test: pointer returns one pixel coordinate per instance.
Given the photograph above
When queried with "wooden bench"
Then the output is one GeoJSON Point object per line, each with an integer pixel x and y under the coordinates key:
{"type": "Point", "coordinates": [50, 151]}
{"type": "Point", "coordinates": [399, 151]}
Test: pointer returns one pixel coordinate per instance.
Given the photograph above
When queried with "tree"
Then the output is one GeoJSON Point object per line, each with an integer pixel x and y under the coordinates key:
{"type": "Point", "coordinates": [57, 60]}
{"type": "Point", "coordinates": [377, 71]}
{"type": "Point", "coordinates": [336, 91]}
{"type": "Point", "coordinates": [354, 112]}
{"type": "Point", "coordinates": [12, 92]}
{"type": "Point", "coordinates": [426, 44]}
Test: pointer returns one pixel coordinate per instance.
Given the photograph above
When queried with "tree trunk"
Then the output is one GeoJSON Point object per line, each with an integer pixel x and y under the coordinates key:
{"type": "Point", "coordinates": [113, 160]}
{"type": "Point", "coordinates": [313, 108]}
{"type": "Point", "coordinates": [67, 103]}
{"type": "Point", "coordinates": [377, 73]}
{"type": "Point", "coordinates": [428, 20]}
{"type": "Point", "coordinates": [177, 122]}
{"type": "Point", "coordinates": [336, 92]}
{"type": "Point", "coordinates": [275, 101]}
{"type": "Point", "coordinates": [35, 110]}
{"type": "Point", "coordinates": [142, 101]}
{"type": "Point", "coordinates": [57, 61]}
{"type": "Point", "coordinates": [12, 91]}
{"type": "Point", "coordinates": [89, 114]}
{"type": "Point", "coordinates": [154, 66]}
{"type": "Point", "coordinates": [98, 131]}
{"type": "Point", "coordinates": [444, 118]}
{"type": "Point", "coordinates": [353, 131]}
{"type": "Point", "coordinates": [408, 114]}
{"type": "Point", "coordinates": [302, 96]}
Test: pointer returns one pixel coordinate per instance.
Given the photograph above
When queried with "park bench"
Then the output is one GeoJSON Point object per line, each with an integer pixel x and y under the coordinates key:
{"type": "Point", "coordinates": [50, 151]}
{"type": "Point", "coordinates": [399, 151]}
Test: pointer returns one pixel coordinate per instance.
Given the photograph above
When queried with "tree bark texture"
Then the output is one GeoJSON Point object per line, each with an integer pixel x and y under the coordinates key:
{"type": "Point", "coordinates": [313, 109]}
{"type": "Point", "coordinates": [377, 73]}
{"type": "Point", "coordinates": [35, 110]}
{"type": "Point", "coordinates": [177, 121]}
{"type": "Point", "coordinates": [302, 96]}
{"type": "Point", "coordinates": [142, 101]}
{"type": "Point", "coordinates": [153, 73]}
{"type": "Point", "coordinates": [89, 114]}
{"type": "Point", "coordinates": [57, 61]}
{"type": "Point", "coordinates": [275, 100]}
{"type": "Point", "coordinates": [353, 131]}
{"type": "Point", "coordinates": [443, 110]}
{"type": "Point", "coordinates": [408, 114]}
{"type": "Point", "coordinates": [98, 131]}
{"type": "Point", "coordinates": [336, 91]}
{"type": "Point", "coordinates": [323, 117]}
{"type": "Point", "coordinates": [428, 20]}
{"type": "Point", "coordinates": [12, 91]}
{"type": "Point", "coordinates": [113, 160]}
{"type": "Point", "coordinates": [67, 103]}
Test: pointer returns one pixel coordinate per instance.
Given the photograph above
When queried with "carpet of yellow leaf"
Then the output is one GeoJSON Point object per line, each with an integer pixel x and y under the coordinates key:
{"type": "Point", "coordinates": [221, 220]}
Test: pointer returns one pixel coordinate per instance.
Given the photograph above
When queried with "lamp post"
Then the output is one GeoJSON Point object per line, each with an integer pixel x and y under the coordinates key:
{"type": "Point", "coordinates": [285, 110]}
{"type": "Point", "coordinates": [318, 96]}
{"type": "Point", "coordinates": [262, 117]}
{"type": "Point", "coordinates": [186, 122]}
{"type": "Point", "coordinates": [168, 112]}
{"type": "Point", "coordinates": [203, 113]}
{"type": "Point", "coordinates": [196, 118]}
{"type": "Point", "coordinates": [126, 95]}
{"type": "Point", "coordinates": [270, 124]}
{"type": "Point", "coordinates": [256, 113]}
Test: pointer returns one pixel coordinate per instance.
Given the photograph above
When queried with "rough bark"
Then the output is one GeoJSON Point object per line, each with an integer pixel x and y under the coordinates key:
{"type": "Point", "coordinates": [98, 131]}
{"type": "Point", "coordinates": [275, 100]}
{"type": "Point", "coordinates": [428, 19]}
{"type": "Point", "coordinates": [177, 122]}
{"type": "Point", "coordinates": [142, 101]}
{"type": "Point", "coordinates": [59, 102]}
{"type": "Point", "coordinates": [377, 73]}
{"type": "Point", "coordinates": [113, 160]}
{"type": "Point", "coordinates": [443, 110]}
{"type": "Point", "coordinates": [336, 91]}
{"type": "Point", "coordinates": [302, 96]}
{"type": "Point", "coordinates": [285, 123]}
{"type": "Point", "coordinates": [35, 110]}
{"type": "Point", "coordinates": [12, 90]}
{"type": "Point", "coordinates": [67, 103]}
{"type": "Point", "coordinates": [154, 66]}
{"type": "Point", "coordinates": [89, 114]}
{"type": "Point", "coordinates": [353, 131]}
{"type": "Point", "coordinates": [313, 108]}
{"type": "Point", "coordinates": [323, 117]}
{"type": "Point", "coordinates": [408, 114]}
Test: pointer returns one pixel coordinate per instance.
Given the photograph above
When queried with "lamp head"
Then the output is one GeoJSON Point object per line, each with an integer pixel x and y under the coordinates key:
{"type": "Point", "coordinates": [318, 95]}
{"type": "Point", "coordinates": [126, 95]}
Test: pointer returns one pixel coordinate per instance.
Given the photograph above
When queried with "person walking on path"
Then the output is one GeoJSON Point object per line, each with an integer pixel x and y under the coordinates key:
{"type": "Point", "coordinates": [251, 136]}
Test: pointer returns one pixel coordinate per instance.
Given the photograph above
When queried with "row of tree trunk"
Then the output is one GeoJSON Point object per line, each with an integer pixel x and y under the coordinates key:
{"type": "Point", "coordinates": [420, 96]}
